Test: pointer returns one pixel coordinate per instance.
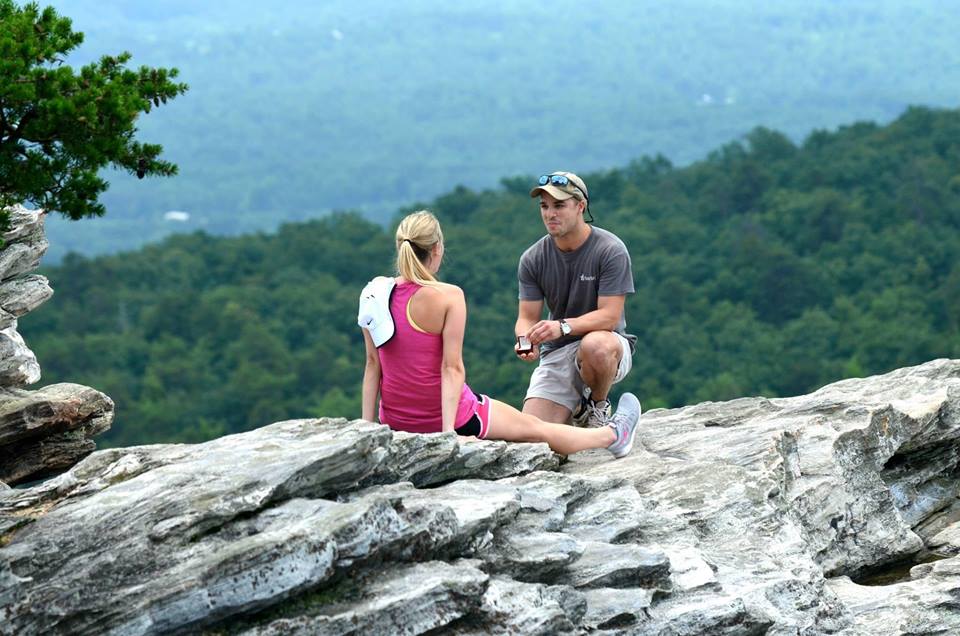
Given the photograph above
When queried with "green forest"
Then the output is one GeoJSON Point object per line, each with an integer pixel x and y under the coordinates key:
{"type": "Point", "coordinates": [300, 108]}
{"type": "Point", "coordinates": [768, 268]}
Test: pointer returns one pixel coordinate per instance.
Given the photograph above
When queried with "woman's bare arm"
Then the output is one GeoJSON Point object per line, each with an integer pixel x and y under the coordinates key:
{"type": "Point", "coordinates": [452, 372]}
{"type": "Point", "coordinates": [371, 380]}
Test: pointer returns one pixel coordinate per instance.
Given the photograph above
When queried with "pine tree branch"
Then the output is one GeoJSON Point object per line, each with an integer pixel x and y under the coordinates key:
{"type": "Point", "coordinates": [17, 133]}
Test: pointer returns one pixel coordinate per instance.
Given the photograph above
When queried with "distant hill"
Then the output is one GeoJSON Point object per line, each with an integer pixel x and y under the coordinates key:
{"type": "Point", "coordinates": [768, 268]}
{"type": "Point", "coordinates": [300, 108]}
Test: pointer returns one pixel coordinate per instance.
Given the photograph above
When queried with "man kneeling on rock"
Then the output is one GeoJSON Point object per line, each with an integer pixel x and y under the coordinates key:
{"type": "Point", "coordinates": [584, 274]}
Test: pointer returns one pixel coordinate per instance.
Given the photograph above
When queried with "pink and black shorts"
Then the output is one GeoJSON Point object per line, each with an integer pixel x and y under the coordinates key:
{"type": "Point", "coordinates": [479, 423]}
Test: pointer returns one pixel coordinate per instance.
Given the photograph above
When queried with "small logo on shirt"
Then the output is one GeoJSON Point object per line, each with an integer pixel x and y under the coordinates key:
{"type": "Point", "coordinates": [584, 277]}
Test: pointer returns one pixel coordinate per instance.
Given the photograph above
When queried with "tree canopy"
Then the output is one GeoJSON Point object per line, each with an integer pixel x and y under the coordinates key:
{"type": "Point", "coordinates": [59, 127]}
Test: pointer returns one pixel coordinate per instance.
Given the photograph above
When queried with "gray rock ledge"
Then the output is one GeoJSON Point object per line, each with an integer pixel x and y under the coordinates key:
{"type": "Point", "coordinates": [753, 516]}
{"type": "Point", "coordinates": [49, 430]}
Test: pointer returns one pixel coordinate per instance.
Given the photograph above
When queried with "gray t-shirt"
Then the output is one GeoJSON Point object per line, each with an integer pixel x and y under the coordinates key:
{"type": "Point", "coordinates": [571, 282]}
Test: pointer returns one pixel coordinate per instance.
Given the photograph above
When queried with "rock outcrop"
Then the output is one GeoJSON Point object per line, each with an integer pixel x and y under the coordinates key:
{"type": "Point", "coordinates": [832, 513]}
{"type": "Point", "coordinates": [47, 431]}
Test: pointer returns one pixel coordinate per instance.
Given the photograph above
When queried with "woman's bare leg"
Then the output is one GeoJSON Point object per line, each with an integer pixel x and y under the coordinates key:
{"type": "Point", "coordinates": [509, 424]}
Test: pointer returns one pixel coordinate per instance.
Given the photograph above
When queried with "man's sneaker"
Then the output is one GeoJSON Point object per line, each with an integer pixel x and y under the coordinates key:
{"type": "Point", "coordinates": [592, 414]}
{"type": "Point", "coordinates": [624, 424]}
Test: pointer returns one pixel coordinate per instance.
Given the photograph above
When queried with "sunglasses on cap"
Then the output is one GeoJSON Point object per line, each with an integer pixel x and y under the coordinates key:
{"type": "Point", "coordinates": [563, 180]}
{"type": "Point", "coordinates": [559, 180]}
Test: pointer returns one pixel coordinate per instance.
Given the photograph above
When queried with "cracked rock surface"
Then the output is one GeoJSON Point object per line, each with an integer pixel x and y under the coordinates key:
{"type": "Point", "coordinates": [831, 513]}
{"type": "Point", "coordinates": [46, 431]}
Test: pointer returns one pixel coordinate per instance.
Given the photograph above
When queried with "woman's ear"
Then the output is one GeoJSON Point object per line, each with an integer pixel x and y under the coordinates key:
{"type": "Point", "coordinates": [436, 256]}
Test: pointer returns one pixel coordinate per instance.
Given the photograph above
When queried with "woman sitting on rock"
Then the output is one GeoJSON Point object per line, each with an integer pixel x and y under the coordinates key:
{"type": "Point", "coordinates": [413, 327]}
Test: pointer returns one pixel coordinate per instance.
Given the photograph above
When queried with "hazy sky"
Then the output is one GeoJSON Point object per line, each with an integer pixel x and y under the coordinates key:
{"type": "Point", "coordinates": [310, 98]}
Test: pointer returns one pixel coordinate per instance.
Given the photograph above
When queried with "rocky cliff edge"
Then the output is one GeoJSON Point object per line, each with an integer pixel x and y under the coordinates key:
{"type": "Point", "coordinates": [831, 513]}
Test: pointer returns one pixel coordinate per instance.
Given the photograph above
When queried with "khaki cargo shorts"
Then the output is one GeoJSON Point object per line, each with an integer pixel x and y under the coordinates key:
{"type": "Point", "coordinates": [557, 377]}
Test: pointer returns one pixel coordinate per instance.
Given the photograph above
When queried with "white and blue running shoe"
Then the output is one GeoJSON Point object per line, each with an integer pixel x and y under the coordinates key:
{"type": "Point", "coordinates": [624, 424]}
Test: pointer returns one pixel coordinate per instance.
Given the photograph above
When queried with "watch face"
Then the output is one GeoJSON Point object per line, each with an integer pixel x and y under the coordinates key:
{"type": "Point", "coordinates": [565, 328]}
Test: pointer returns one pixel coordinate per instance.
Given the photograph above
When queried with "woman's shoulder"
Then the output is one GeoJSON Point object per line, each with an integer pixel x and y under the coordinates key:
{"type": "Point", "coordinates": [440, 288]}
{"type": "Point", "coordinates": [449, 288]}
{"type": "Point", "coordinates": [445, 292]}
{"type": "Point", "coordinates": [452, 292]}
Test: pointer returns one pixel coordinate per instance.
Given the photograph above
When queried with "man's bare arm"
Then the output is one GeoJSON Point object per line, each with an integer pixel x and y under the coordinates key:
{"type": "Point", "coordinates": [604, 318]}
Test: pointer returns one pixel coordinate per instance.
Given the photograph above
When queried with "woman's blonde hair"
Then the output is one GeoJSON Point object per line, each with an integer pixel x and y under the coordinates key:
{"type": "Point", "coordinates": [417, 235]}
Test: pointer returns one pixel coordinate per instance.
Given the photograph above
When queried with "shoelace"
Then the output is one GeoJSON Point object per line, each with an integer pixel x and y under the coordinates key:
{"type": "Point", "coordinates": [598, 411]}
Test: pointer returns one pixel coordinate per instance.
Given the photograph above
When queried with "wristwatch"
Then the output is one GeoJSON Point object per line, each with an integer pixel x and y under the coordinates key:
{"type": "Point", "coordinates": [565, 328]}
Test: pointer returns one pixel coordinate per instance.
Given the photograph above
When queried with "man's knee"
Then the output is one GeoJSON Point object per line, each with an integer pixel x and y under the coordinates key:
{"type": "Point", "coordinates": [600, 350]}
{"type": "Point", "coordinates": [546, 410]}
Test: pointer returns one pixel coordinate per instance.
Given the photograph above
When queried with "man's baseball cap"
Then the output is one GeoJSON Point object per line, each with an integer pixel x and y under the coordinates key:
{"type": "Point", "coordinates": [561, 186]}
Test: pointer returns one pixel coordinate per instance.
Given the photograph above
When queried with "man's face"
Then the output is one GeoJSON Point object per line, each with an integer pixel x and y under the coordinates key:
{"type": "Point", "coordinates": [560, 217]}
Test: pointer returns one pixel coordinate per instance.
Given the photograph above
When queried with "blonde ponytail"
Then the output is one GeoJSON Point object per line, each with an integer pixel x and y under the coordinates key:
{"type": "Point", "coordinates": [417, 235]}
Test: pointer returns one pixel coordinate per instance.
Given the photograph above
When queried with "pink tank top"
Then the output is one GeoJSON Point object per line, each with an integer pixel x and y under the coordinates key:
{"type": "Point", "coordinates": [410, 374]}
